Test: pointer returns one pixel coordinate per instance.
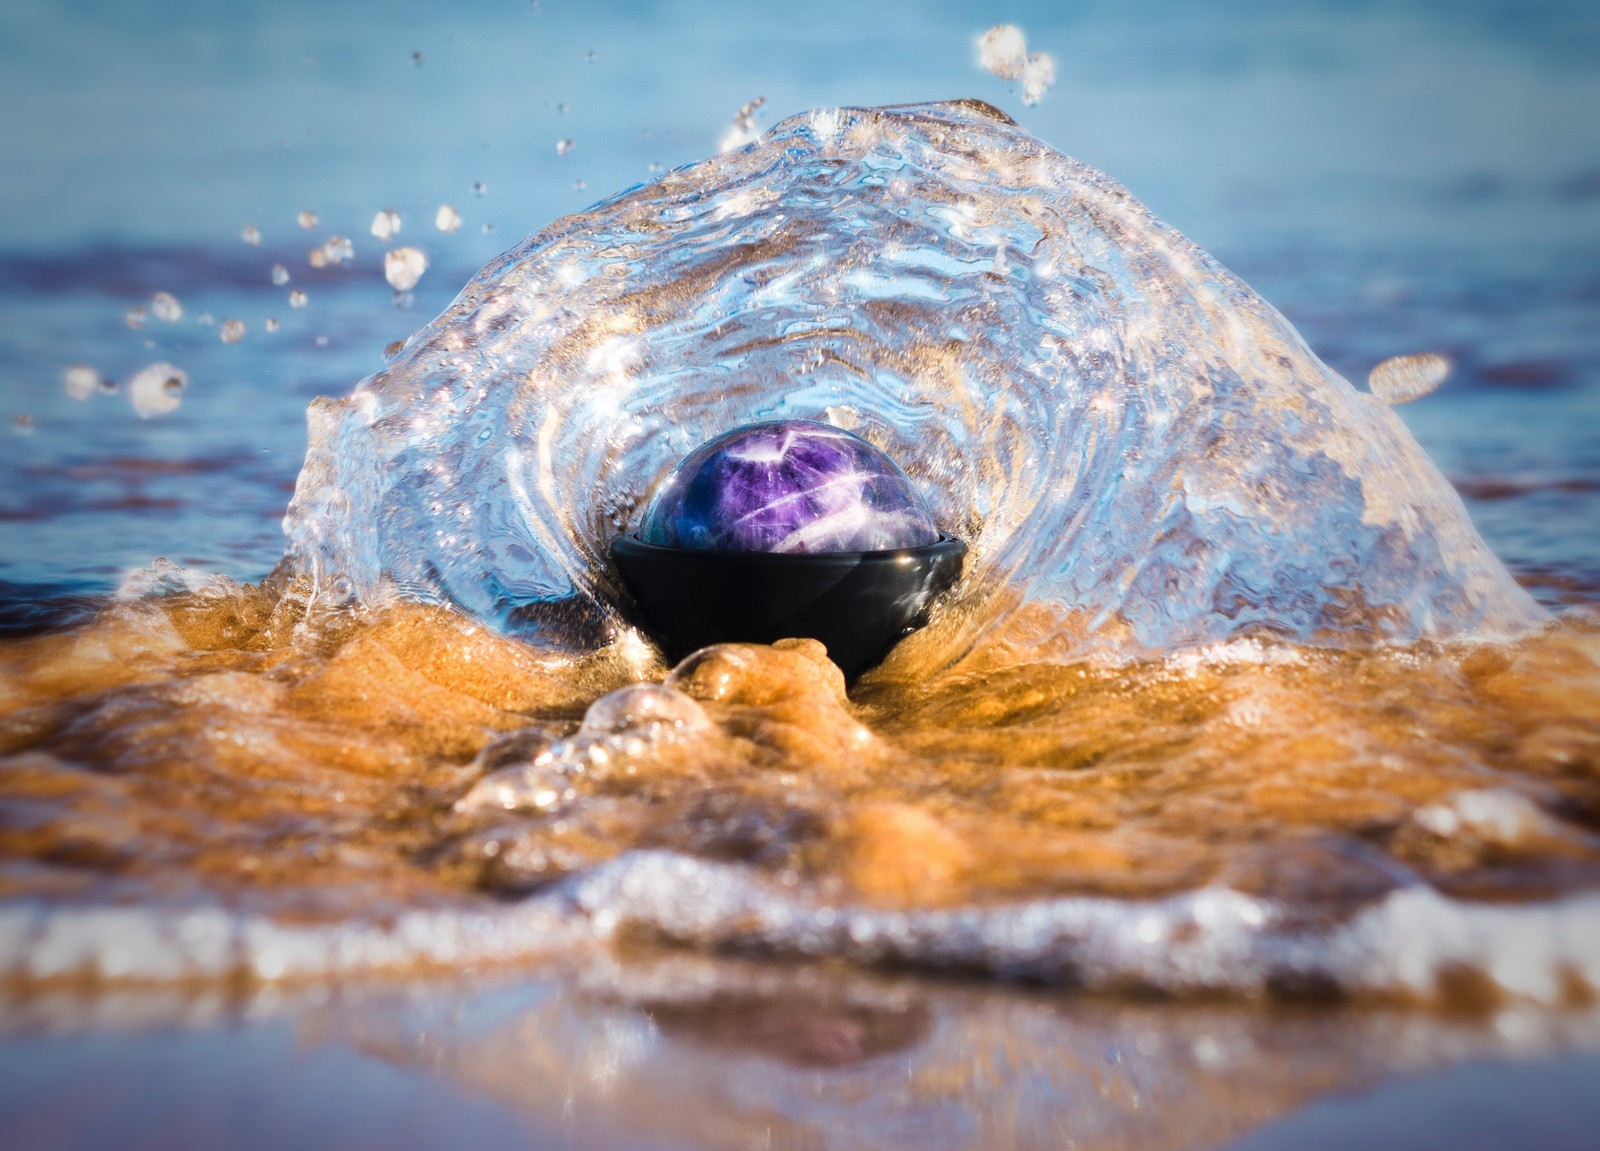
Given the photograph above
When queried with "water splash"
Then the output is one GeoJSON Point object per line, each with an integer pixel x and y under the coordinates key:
{"type": "Point", "coordinates": [1123, 431]}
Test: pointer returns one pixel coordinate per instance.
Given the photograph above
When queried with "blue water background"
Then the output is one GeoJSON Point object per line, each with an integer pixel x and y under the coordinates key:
{"type": "Point", "coordinates": [1394, 177]}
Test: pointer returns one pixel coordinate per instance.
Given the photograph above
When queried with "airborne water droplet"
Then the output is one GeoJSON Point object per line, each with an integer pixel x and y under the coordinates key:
{"type": "Point", "coordinates": [165, 306]}
{"type": "Point", "coordinates": [1003, 51]}
{"type": "Point", "coordinates": [564, 146]}
{"type": "Point", "coordinates": [232, 331]}
{"type": "Point", "coordinates": [157, 389]}
{"type": "Point", "coordinates": [280, 275]}
{"type": "Point", "coordinates": [297, 299]}
{"type": "Point", "coordinates": [386, 224]}
{"type": "Point", "coordinates": [80, 381]}
{"type": "Point", "coordinates": [480, 188]}
{"type": "Point", "coordinates": [447, 219]}
{"type": "Point", "coordinates": [135, 318]}
{"type": "Point", "coordinates": [250, 235]}
{"type": "Point", "coordinates": [403, 267]}
{"type": "Point", "coordinates": [1401, 379]}
{"type": "Point", "coordinates": [307, 219]}
{"type": "Point", "coordinates": [23, 424]}
{"type": "Point", "coordinates": [337, 249]}
{"type": "Point", "coordinates": [272, 324]}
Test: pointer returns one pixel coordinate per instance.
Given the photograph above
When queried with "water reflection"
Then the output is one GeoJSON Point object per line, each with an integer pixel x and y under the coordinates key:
{"type": "Point", "coordinates": [675, 1049]}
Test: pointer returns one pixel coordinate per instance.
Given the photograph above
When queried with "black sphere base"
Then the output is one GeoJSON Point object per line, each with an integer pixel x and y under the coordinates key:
{"type": "Point", "coordinates": [858, 604]}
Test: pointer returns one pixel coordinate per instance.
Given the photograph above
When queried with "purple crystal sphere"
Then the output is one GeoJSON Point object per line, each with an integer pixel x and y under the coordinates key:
{"type": "Point", "coordinates": [794, 486]}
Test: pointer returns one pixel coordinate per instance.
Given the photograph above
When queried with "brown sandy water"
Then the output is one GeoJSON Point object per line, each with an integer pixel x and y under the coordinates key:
{"type": "Point", "coordinates": [371, 799]}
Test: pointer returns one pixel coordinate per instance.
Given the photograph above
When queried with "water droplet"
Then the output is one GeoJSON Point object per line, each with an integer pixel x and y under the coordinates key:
{"type": "Point", "coordinates": [743, 129]}
{"type": "Point", "coordinates": [564, 146]}
{"type": "Point", "coordinates": [1003, 51]}
{"type": "Point", "coordinates": [1038, 74]}
{"type": "Point", "coordinates": [561, 108]}
{"type": "Point", "coordinates": [232, 331]}
{"type": "Point", "coordinates": [486, 229]}
{"type": "Point", "coordinates": [579, 185]}
{"type": "Point", "coordinates": [80, 381]}
{"type": "Point", "coordinates": [280, 275]}
{"type": "Point", "coordinates": [322, 341]}
{"type": "Point", "coordinates": [403, 267]}
{"type": "Point", "coordinates": [108, 387]}
{"type": "Point", "coordinates": [317, 258]}
{"type": "Point", "coordinates": [1401, 379]}
{"type": "Point", "coordinates": [416, 59]}
{"type": "Point", "coordinates": [588, 57]}
{"type": "Point", "coordinates": [657, 166]}
{"type": "Point", "coordinates": [297, 299]}
{"type": "Point", "coordinates": [272, 324]}
{"type": "Point", "coordinates": [250, 234]}
{"type": "Point", "coordinates": [386, 224]}
{"type": "Point", "coordinates": [135, 318]}
{"type": "Point", "coordinates": [165, 306]}
{"type": "Point", "coordinates": [307, 219]}
{"type": "Point", "coordinates": [205, 318]}
{"type": "Point", "coordinates": [337, 249]}
{"type": "Point", "coordinates": [480, 188]}
{"type": "Point", "coordinates": [23, 424]}
{"type": "Point", "coordinates": [157, 389]}
{"type": "Point", "coordinates": [447, 219]}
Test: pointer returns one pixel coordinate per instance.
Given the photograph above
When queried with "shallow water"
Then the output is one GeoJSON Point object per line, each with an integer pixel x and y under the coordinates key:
{"type": "Point", "coordinates": [1074, 776]}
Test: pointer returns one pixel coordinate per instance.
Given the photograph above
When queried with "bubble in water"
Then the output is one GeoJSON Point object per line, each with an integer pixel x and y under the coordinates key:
{"type": "Point", "coordinates": [280, 275]}
{"type": "Point", "coordinates": [297, 299]}
{"type": "Point", "coordinates": [250, 234]}
{"type": "Point", "coordinates": [272, 324]}
{"type": "Point", "coordinates": [157, 389]}
{"type": "Point", "coordinates": [386, 224]}
{"type": "Point", "coordinates": [337, 249]}
{"type": "Point", "coordinates": [135, 317]}
{"type": "Point", "coordinates": [80, 381]}
{"type": "Point", "coordinates": [403, 267]}
{"type": "Point", "coordinates": [644, 705]}
{"type": "Point", "coordinates": [743, 129]}
{"type": "Point", "coordinates": [447, 219]}
{"type": "Point", "coordinates": [232, 331]}
{"type": "Point", "coordinates": [165, 306]}
{"type": "Point", "coordinates": [306, 218]}
{"type": "Point", "coordinates": [23, 424]}
{"type": "Point", "coordinates": [1401, 379]}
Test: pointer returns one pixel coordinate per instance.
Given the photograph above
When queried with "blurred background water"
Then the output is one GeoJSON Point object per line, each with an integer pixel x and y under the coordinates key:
{"type": "Point", "coordinates": [1394, 177]}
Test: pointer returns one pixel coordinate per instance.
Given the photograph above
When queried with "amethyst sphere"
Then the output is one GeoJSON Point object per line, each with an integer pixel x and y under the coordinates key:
{"type": "Point", "coordinates": [788, 486]}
